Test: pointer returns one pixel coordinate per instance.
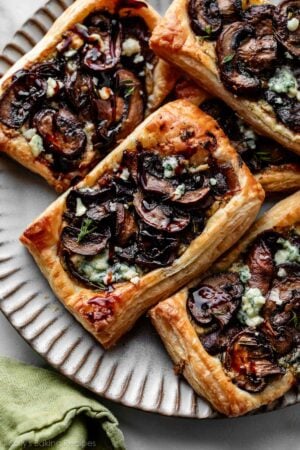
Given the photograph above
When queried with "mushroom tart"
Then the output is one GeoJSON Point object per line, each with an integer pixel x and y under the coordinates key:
{"type": "Point", "coordinates": [234, 333]}
{"type": "Point", "coordinates": [274, 167]}
{"type": "Point", "coordinates": [85, 86]}
{"type": "Point", "coordinates": [155, 213]}
{"type": "Point", "coordinates": [244, 52]}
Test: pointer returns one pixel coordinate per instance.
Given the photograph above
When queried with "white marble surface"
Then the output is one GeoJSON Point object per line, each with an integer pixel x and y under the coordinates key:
{"type": "Point", "coordinates": [143, 431]}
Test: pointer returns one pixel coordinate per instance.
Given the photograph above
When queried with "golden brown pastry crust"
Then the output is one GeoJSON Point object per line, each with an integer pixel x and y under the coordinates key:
{"type": "Point", "coordinates": [174, 40]}
{"type": "Point", "coordinates": [203, 371]}
{"type": "Point", "coordinates": [14, 143]}
{"type": "Point", "coordinates": [161, 131]}
{"type": "Point", "coordinates": [285, 177]}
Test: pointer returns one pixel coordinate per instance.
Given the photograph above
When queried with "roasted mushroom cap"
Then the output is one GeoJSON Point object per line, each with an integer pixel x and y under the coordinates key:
{"type": "Point", "coordinates": [163, 187]}
{"type": "Point", "coordinates": [20, 98]}
{"type": "Point", "coordinates": [129, 102]}
{"type": "Point", "coordinates": [260, 52]}
{"type": "Point", "coordinates": [61, 132]}
{"type": "Point", "coordinates": [261, 266]}
{"type": "Point", "coordinates": [126, 226]}
{"type": "Point", "coordinates": [155, 249]}
{"type": "Point", "coordinates": [87, 196]}
{"type": "Point", "coordinates": [160, 217]}
{"type": "Point", "coordinates": [216, 300]}
{"type": "Point", "coordinates": [281, 338]}
{"type": "Point", "coordinates": [217, 341]}
{"type": "Point", "coordinates": [285, 13]}
{"type": "Point", "coordinates": [105, 54]}
{"type": "Point", "coordinates": [91, 245]}
{"type": "Point", "coordinates": [205, 17]}
{"type": "Point", "coordinates": [233, 69]}
{"type": "Point", "coordinates": [249, 361]}
{"type": "Point", "coordinates": [230, 9]}
{"type": "Point", "coordinates": [80, 91]}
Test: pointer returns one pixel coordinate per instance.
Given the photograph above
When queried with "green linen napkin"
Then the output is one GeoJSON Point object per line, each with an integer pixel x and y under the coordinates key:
{"type": "Point", "coordinates": [42, 409]}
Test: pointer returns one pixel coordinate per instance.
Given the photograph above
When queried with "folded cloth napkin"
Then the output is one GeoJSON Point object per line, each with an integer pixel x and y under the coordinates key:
{"type": "Point", "coordinates": [41, 409]}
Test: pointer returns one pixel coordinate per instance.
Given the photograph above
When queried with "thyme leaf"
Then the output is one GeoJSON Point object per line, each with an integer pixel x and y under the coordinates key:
{"type": "Point", "coordinates": [87, 228]}
{"type": "Point", "coordinates": [228, 58]}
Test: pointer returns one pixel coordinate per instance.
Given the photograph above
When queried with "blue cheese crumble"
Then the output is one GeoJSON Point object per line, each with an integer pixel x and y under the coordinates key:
{"type": "Point", "coordinates": [99, 271]}
{"type": "Point", "coordinates": [179, 191]}
{"type": "Point", "coordinates": [288, 254]}
{"type": "Point", "coordinates": [170, 164]}
{"type": "Point", "coordinates": [243, 271]}
{"type": "Point", "coordinates": [252, 303]}
{"type": "Point", "coordinates": [36, 145]}
{"type": "Point", "coordinates": [284, 82]}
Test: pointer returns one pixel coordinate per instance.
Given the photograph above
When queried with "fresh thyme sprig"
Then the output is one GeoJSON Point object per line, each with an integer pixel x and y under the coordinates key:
{"type": "Point", "coordinates": [129, 87]}
{"type": "Point", "coordinates": [87, 228]}
{"type": "Point", "coordinates": [228, 58]}
{"type": "Point", "coordinates": [264, 155]}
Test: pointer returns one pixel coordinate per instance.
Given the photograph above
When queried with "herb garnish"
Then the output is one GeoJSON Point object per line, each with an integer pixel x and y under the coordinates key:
{"type": "Point", "coordinates": [264, 155]}
{"type": "Point", "coordinates": [228, 58]}
{"type": "Point", "coordinates": [129, 87]}
{"type": "Point", "coordinates": [87, 228]}
{"type": "Point", "coordinates": [296, 320]}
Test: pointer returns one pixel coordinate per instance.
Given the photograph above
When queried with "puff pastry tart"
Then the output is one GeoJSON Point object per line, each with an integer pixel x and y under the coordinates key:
{"type": "Point", "coordinates": [274, 167]}
{"type": "Point", "coordinates": [235, 333]}
{"type": "Point", "coordinates": [155, 213]}
{"type": "Point", "coordinates": [246, 55]}
{"type": "Point", "coordinates": [86, 85]}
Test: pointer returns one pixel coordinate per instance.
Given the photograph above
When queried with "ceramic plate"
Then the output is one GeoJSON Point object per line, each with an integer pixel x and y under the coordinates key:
{"type": "Point", "coordinates": [138, 372]}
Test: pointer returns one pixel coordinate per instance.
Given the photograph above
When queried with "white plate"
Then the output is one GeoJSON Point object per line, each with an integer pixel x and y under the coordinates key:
{"type": "Point", "coordinates": [138, 372]}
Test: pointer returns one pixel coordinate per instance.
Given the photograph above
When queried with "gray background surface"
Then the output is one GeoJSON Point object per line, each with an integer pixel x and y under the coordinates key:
{"type": "Point", "coordinates": [143, 431]}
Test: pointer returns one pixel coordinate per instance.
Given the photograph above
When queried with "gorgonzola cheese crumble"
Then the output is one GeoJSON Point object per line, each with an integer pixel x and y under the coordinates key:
{"type": "Point", "coordinates": [288, 253]}
{"type": "Point", "coordinates": [170, 164]}
{"type": "Point", "coordinates": [252, 302]}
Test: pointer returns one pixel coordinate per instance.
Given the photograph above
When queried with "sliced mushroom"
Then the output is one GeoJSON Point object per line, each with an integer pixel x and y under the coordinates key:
{"type": "Point", "coordinates": [124, 189]}
{"type": "Point", "coordinates": [261, 266]}
{"type": "Point", "coordinates": [218, 341]}
{"type": "Point", "coordinates": [192, 198]}
{"type": "Point", "coordinates": [155, 250]}
{"type": "Point", "coordinates": [126, 225]}
{"type": "Point", "coordinates": [290, 39]}
{"type": "Point", "coordinates": [88, 196]}
{"type": "Point", "coordinates": [286, 109]}
{"type": "Point", "coordinates": [216, 300]}
{"type": "Point", "coordinates": [48, 69]}
{"type": "Point", "coordinates": [287, 289]}
{"type": "Point", "coordinates": [61, 132]}
{"type": "Point", "coordinates": [80, 91]}
{"type": "Point", "coordinates": [160, 217]}
{"type": "Point", "coordinates": [99, 213]}
{"type": "Point", "coordinates": [230, 10]}
{"type": "Point", "coordinates": [20, 99]}
{"type": "Point", "coordinates": [233, 71]}
{"type": "Point", "coordinates": [249, 361]}
{"type": "Point", "coordinates": [104, 53]}
{"type": "Point", "coordinates": [151, 250]}
{"type": "Point", "coordinates": [129, 102]}
{"type": "Point", "coordinates": [259, 53]}
{"type": "Point", "coordinates": [154, 185]}
{"type": "Point", "coordinates": [205, 17]}
{"type": "Point", "coordinates": [281, 338]}
{"type": "Point", "coordinates": [91, 245]}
